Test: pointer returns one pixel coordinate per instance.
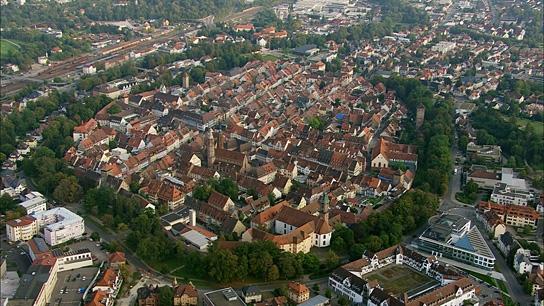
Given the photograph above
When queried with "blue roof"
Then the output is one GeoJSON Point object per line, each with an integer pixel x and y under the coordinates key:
{"type": "Point", "coordinates": [40, 243]}
{"type": "Point", "coordinates": [340, 116]}
{"type": "Point", "coordinates": [464, 243]}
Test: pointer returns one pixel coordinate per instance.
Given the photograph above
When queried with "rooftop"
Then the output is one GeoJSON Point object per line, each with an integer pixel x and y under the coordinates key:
{"type": "Point", "coordinates": [224, 297]}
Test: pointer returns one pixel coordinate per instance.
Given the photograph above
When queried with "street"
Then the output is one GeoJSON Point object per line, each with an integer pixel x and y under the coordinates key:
{"type": "Point", "coordinates": [451, 205]}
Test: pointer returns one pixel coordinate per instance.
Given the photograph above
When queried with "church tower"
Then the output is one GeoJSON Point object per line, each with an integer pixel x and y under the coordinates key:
{"type": "Point", "coordinates": [211, 147]}
{"type": "Point", "coordinates": [175, 283]}
{"type": "Point", "coordinates": [325, 203]}
{"type": "Point", "coordinates": [420, 116]}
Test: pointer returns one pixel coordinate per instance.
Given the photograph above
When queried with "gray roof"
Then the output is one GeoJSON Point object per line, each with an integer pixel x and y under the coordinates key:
{"type": "Point", "coordinates": [251, 290]}
{"type": "Point", "coordinates": [316, 300]}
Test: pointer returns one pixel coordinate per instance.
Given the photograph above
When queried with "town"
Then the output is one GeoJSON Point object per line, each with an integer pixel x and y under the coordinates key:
{"type": "Point", "coordinates": [312, 153]}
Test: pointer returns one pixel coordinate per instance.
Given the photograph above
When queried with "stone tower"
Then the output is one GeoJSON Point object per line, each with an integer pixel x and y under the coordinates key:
{"type": "Point", "coordinates": [185, 81]}
{"type": "Point", "coordinates": [398, 177]}
{"type": "Point", "coordinates": [211, 147]}
{"type": "Point", "coordinates": [420, 116]}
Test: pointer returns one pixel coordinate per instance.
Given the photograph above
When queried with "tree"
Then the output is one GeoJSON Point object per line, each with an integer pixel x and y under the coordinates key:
{"type": "Point", "coordinates": [107, 220]}
{"type": "Point", "coordinates": [332, 260]}
{"type": "Point", "coordinates": [125, 270]}
{"type": "Point", "coordinates": [223, 266]}
{"type": "Point", "coordinates": [68, 190]}
{"type": "Point", "coordinates": [527, 229]}
{"type": "Point", "coordinates": [114, 109]}
{"type": "Point", "coordinates": [166, 296]}
{"type": "Point", "coordinates": [95, 236]}
{"type": "Point", "coordinates": [356, 251]}
{"type": "Point", "coordinates": [338, 244]}
{"type": "Point", "coordinates": [343, 301]}
{"type": "Point", "coordinates": [115, 246]}
{"type": "Point", "coordinates": [316, 123]}
{"type": "Point", "coordinates": [310, 262]}
{"type": "Point", "coordinates": [273, 273]}
{"type": "Point", "coordinates": [121, 228]}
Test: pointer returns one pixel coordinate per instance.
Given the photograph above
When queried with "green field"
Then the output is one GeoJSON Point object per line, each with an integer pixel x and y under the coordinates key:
{"type": "Point", "coordinates": [522, 123]}
{"type": "Point", "coordinates": [270, 57]}
{"type": "Point", "coordinates": [6, 46]}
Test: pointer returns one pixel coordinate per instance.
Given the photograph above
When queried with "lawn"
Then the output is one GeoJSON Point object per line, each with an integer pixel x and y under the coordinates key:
{"type": "Point", "coordinates": [502, 286]}
{"type": "Point", "coordinates": [6, 46]}
{"type": "Point", "coordinates": [270, 57]}
{"type": "Point", "coordinates": [522, 123]}
{"type": "Point", "coordinates": [486, 278]}
{"type": "Point", "coordinates": [172, 263]}
{"type": "Point", "coordinates": [397, 279]}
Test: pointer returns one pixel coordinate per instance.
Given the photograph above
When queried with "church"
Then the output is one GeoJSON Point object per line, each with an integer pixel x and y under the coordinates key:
{"type": "Point", "coordinates": [229, 164]}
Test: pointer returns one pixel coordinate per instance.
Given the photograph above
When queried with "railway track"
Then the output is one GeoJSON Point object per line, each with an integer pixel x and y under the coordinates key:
{"type": "Point", "coordinates": [72, 65]}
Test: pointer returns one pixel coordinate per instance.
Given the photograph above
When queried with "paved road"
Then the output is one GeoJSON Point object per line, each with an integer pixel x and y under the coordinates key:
{"type": "Point", "coordinates": [450, 204]}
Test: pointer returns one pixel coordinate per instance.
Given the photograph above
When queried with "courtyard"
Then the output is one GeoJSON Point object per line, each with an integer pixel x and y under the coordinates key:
{"type": "Point", "coordinates": [396, 279]}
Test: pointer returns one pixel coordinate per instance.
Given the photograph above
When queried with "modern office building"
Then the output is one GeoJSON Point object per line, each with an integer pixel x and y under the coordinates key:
{"type": "Point", "coordinates": [504, 194]}
{"type": "Point", "coordinates": [453, 236]}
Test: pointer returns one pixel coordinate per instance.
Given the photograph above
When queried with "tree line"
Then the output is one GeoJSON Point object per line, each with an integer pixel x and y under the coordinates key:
{"type": "Point", "coordinates": [384, 229]}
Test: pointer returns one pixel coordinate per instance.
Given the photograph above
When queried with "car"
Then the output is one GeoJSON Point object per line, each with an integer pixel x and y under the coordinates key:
{"type": "Point", "coordinates": [98, 244]}
{"type": "Point", "coordinates": [78, 275]}
{"type": "Point", "coordinates": [499, 298]}
{"type": "Point", "coordinates": [61, 291]}
{"type": "Point", "coordinates": [102, 248]}
{"type": "Point", "coordinates": [83, 278]}
{"type": "Point", "coordinates": [23, 253]}
{"type": "Point", "coordinates": [497, 291]}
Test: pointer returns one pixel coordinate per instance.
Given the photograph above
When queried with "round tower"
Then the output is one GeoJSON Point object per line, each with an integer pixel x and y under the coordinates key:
{"type": "Point", "coordinates": [211, 147]}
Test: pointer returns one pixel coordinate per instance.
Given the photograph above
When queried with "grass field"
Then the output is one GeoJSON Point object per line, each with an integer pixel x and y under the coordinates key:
{"type": "Point", "coordinates": [270, 57]}
{"type": "Point", "coordinates": [522, 123]}
{"type": "Point", "coordinates": [6, 46]}
{"type": "Point", "coordinates": [397, 279]}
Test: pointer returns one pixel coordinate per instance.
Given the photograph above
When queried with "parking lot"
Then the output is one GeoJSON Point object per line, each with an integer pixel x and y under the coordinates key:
{"type": "Point", "coordinates": [91, 245]}
{"type": "Point", "coordinates": [70, 283]}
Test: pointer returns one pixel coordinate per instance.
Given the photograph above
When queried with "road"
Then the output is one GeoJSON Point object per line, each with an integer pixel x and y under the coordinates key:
{"type": "Point", "coordinates": [450, 204]}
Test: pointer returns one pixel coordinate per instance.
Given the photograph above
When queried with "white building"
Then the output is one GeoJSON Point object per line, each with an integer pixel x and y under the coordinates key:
{"type": "Point", "coordinates": [60, 225]}
{"type": "Point", "coordinates": [34, 203]}
{"type": "Point", "coordinates": [90, 69]}
{"type": "Point", "coordinates": [23, 228]}
{"type": "Point", "coordinates": [504, 194]}
{"type": "Point", "coordinates": [450, 288]}
{"type": "Point", "coordinates": [444, 47]}
{"type": "Point", "coordinates": [454, 237]}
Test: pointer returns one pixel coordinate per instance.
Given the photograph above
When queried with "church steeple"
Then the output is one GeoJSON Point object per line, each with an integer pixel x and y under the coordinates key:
{"type": "Point", "coordinates": [175, 282]}
{"type": "Point", "coordinates": [211, 147]}
{"type": "Point", "coordinates": [325, 202]}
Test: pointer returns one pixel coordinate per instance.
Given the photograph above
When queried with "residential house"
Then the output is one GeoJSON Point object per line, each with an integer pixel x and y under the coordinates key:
{"type": "Point", "coordinates": [298, 292]}
{"type": "Point", "coordinates": [252, 294]}
{"type": "Point", "coordinates": [148, 296]}
{"type": "Point", "coordinates": [185, 294]}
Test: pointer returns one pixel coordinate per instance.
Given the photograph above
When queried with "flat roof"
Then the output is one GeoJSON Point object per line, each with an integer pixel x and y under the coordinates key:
{"type": "Point", "coordinates": [316, 300]}
{"type": "Point", "coordinates": [64, 217]}
{"type": "Point", "coordinates": [32, 202]}
{"type": "Point", "coordinates": [31, 283]}
{"type": "Point", "coordinates": [224, 297]}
